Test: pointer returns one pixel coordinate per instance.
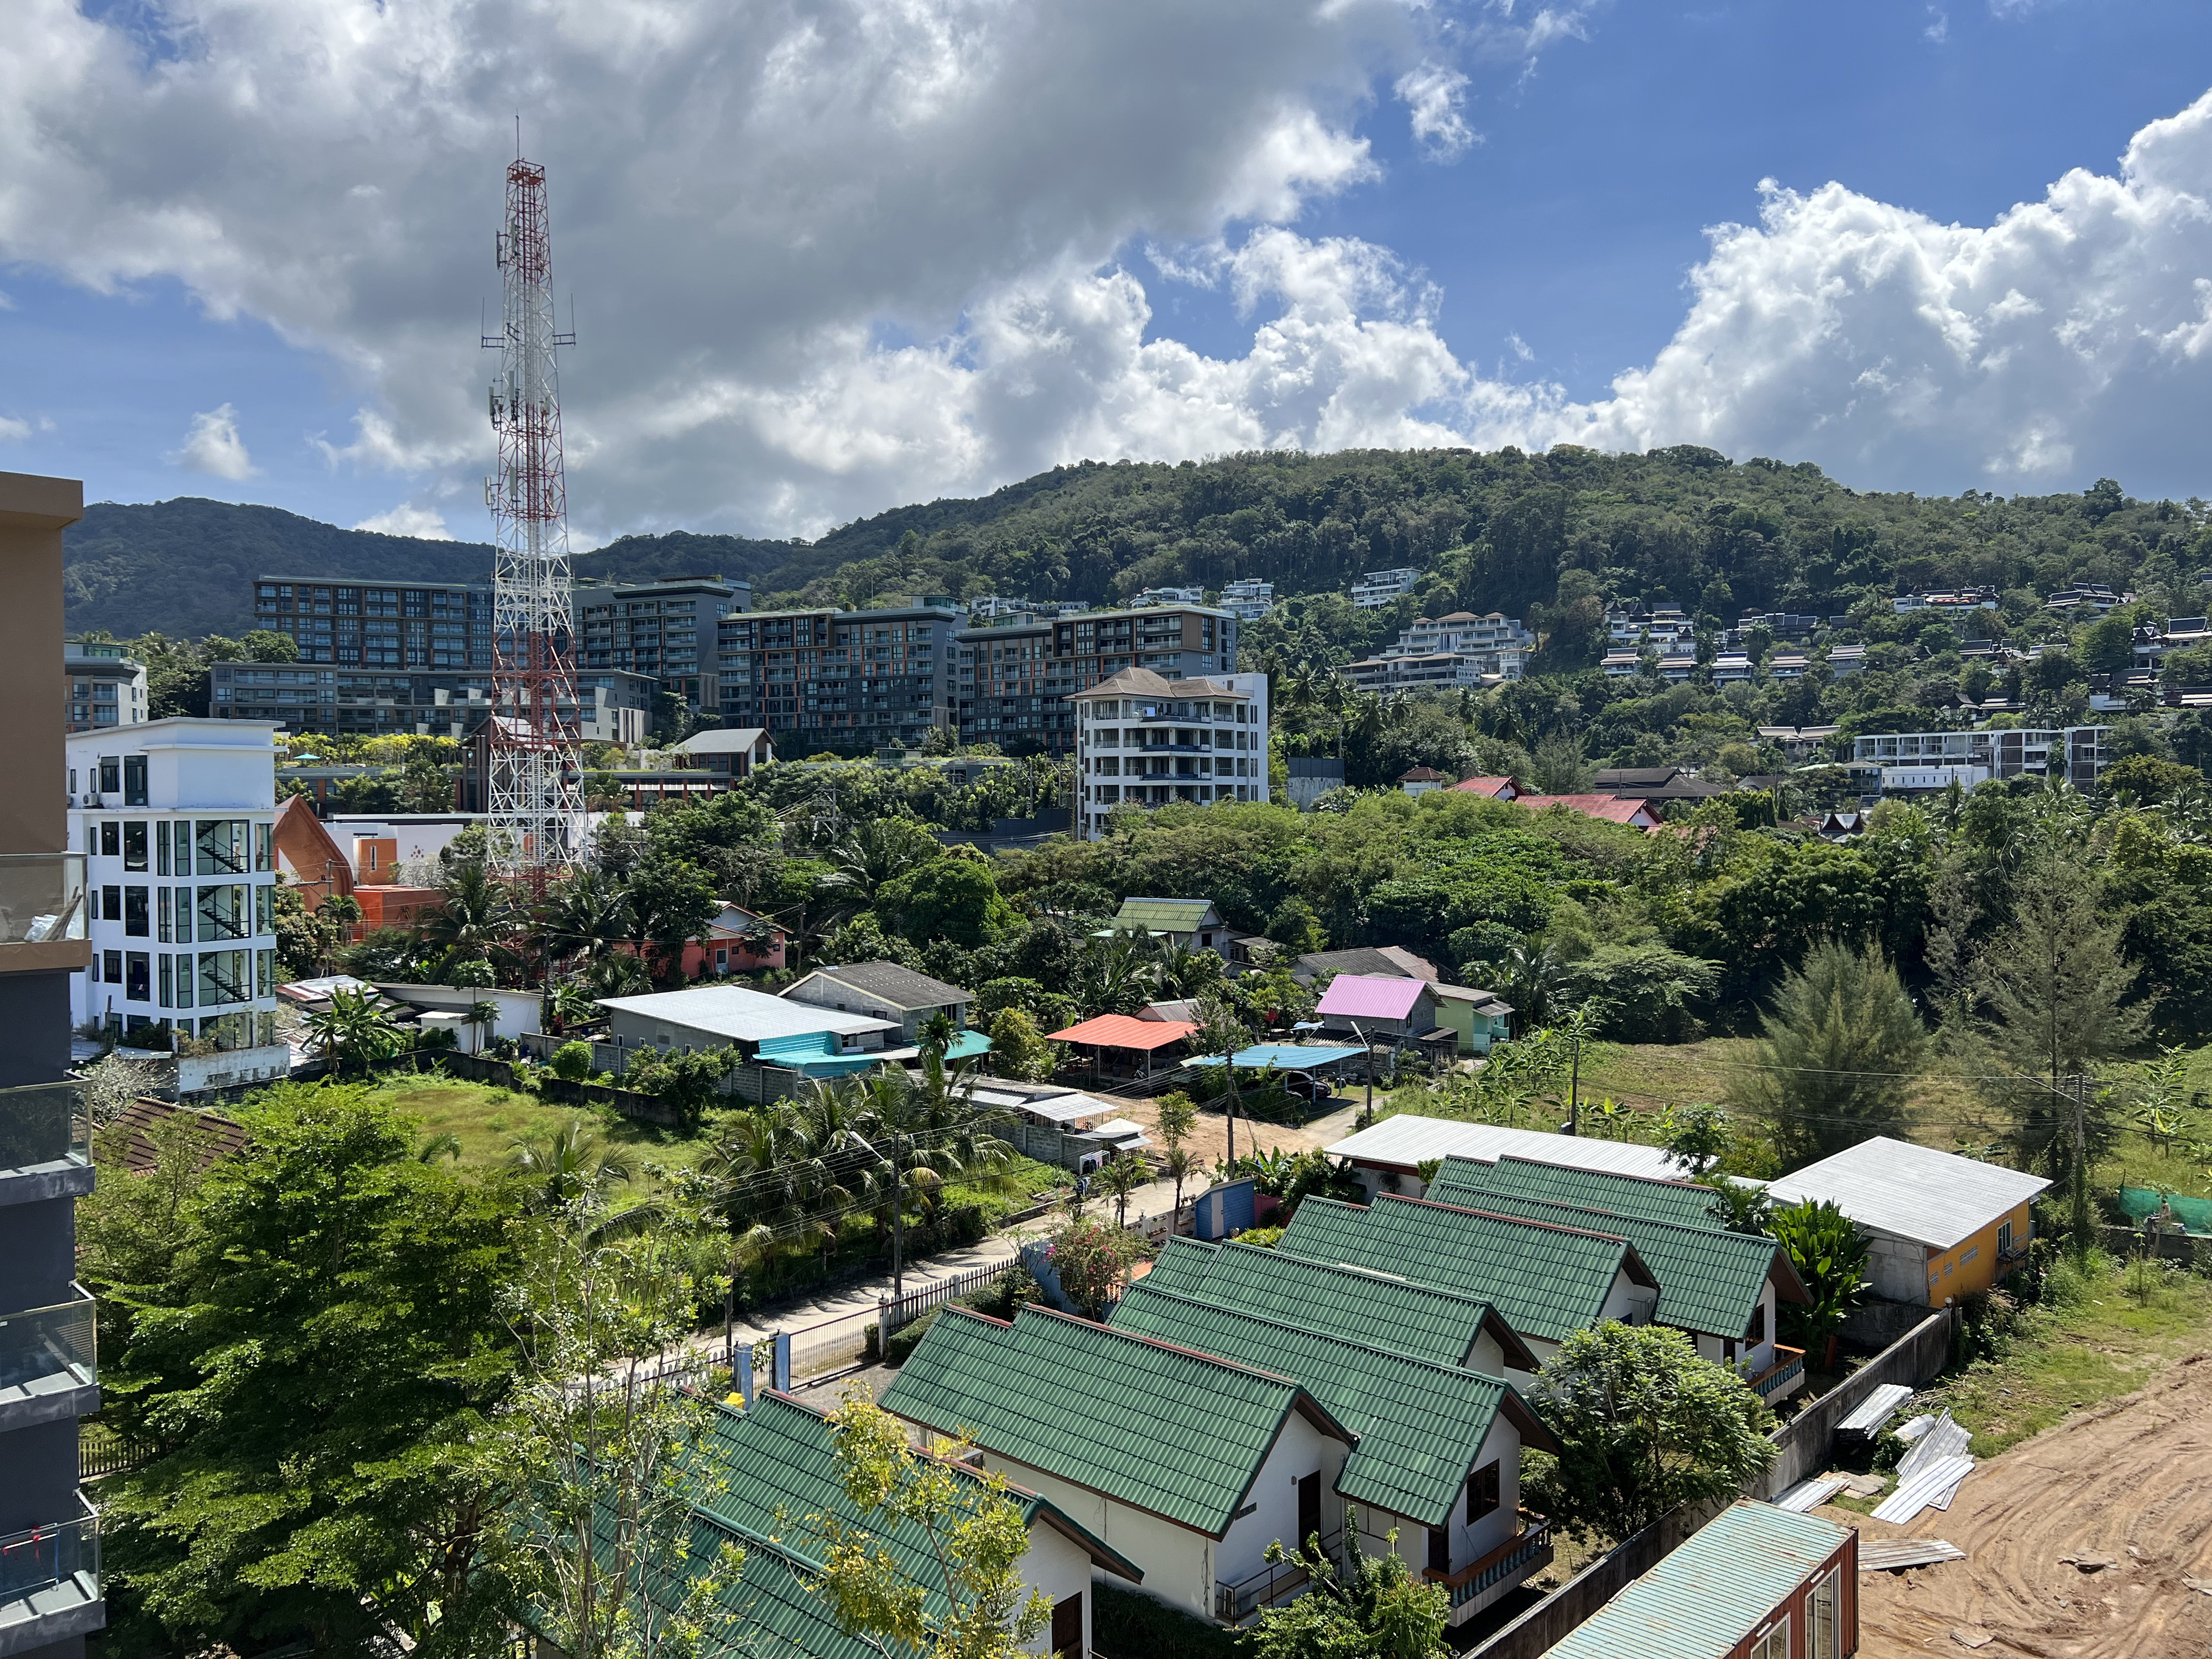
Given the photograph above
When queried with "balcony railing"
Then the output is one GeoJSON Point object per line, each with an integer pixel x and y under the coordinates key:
{"type": "Point", "coordinates": [1234, 1603]}
{"type": "Point", "coordinates": [45, 1123]}
{"type": "Point", "coordinates": [1510, 1562]}
{"type": "Point", "coordinates": [60, 1552]}
{"type": "Point", "coordinates": [1782, 1376]}
{"type": "Point", "coordinates": [47, 1350]}
{"type": "Point", "coordinates": [41, 898]}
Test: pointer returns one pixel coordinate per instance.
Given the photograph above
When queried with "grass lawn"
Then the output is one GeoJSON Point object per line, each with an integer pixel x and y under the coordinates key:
{"type": "Point", "coordinates": [2097, 1336]}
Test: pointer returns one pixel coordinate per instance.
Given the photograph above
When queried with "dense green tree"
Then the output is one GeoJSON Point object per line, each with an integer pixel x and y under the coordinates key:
{"type": "Point", "coordinates": [1840, 1042]}
{"type": "Point", "coordinates": [953, 898]}
{"type": "Point", "coordinates": [1830, 1254]}
{"type": "Point", "coordinates": [1372, 1608]}
{"type": "Point", "coordinates": [672, 905]}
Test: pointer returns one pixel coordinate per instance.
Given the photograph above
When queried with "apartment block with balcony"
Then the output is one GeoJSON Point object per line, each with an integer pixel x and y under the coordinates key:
{"type": "Point", "coordinates": [1460, 649]}
{"type": "Point", "coordinates": [350, 622]}
{"type": "Point", "coordinates": [665, 630]}
{"type": "Point", "coordinates": [1914, 763]}
{"type": "Point", "coordinates": [107, 685]}
{"type": "Point", "coordinates": [51, 1596]}
{"type": "Point", "coordinates": [1380, 587]}
{"type": "Point", "coordinates": [1142, 740]}
{"type": "Point", "coordinates": [176, 820]}
{"type": "Point", "coordinates": [1249, 599]}
{"type": "Point", "coordinates": [850, 677]}
{"type": "Point", "coordinates": [617, 706]}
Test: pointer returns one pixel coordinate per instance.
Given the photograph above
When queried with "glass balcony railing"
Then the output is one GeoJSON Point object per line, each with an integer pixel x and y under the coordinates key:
{"type": "Point", "coordinates": [41, 1558]}
{"type": "Point", "coordinates": [41, 898]}
{"type": "Point", "coordinates": [49, 1350]}
{"type": "Point", "coordinates": [45, 1123]}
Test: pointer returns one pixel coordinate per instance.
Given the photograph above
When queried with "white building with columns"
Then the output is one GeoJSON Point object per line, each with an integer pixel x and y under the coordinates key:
{"type": "Point", "coordinates": [177, 818]}
{"type": "Point", "coordinates": [1142, 740]}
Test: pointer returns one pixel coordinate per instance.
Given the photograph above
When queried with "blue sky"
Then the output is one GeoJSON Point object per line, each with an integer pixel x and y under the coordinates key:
{"type": "Point", "coordinates": [789, 320]}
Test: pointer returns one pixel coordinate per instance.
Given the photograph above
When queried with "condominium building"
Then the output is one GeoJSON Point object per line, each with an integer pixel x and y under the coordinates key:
{"type": "Point", "coordinates": [1380, 587]}
{"type": "Point", "coordinates": [51, 1593]}
{"type": "Point", "coordinates": [1662, 625]}
{"type": "Point", "coordinates": [1157, 596]}
{"type": "Point", "coordinates": [1145, 740]}
{"type": "Point", "coordinates": [617, 706]}
{"type": "Point", "coordinates": [853, 677]}
{"type": "Point", "coordinates": [1248, 600]}
{"type": "Point", "coordinates": [666, 629]}
{"type": "Point", "coordinates": [107, 685]}
{"type": "Point", "coordinates": [177, 820]}
{"type": "Point", "coordinates": [1460, 649]}
{"type": "Point", "coordinates": [350, 622]}
{"type": "Point", "coordinates": [1912, 761]}
{"type": "Point", "coordinates": [1008, 687]}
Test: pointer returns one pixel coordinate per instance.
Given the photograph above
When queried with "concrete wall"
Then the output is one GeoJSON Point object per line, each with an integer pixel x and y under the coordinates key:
{"type": "Point", "coordinates": [1897, 1268]}
{"type": "Point", "coordinates": [1177, 1561]}
{"type": "Point", "coordinates": [1302, 1450]}
{"type": "Point", "coordinates": [1057, 1569]}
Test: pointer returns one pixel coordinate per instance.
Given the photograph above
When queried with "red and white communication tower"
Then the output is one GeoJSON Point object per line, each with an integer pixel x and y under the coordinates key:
{"type": "Point", "coordinates": [535, 799]}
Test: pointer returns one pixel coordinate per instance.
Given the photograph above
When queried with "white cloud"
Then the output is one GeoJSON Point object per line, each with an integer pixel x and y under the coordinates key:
{"type": "Point", "coordinates": [408, 519]}
{"type": "Point", "coordinates": [13, 430]}
{"type": "Point", "coordinates": [1433, 94]}
{"type": "Point", "coordinates": [213, 446]}
{"type": "Point", "coordinates": [1939, 25]}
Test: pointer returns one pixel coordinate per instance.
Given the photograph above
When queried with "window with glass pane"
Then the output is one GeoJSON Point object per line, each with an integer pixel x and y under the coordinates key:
{"type": "Point", "coordinates": [265, 973]}
{"type": "Point", "coordinates": [225, 976]}
{"type": "Point", "coordinates": [138, 976]}
{"type": "Point", "coordinates": [111, 904]}
{"type": "Point", "coordinates": [134, 779]}
{"type": "Point", "coordinates": [265, 911]}
{"type": "Point", "coordinates": [225, 912]}
{"type": "Point", "coordinates": [110, 775]}
{"type": "Point", "coordinates": [1824, 1614]}
{"type": "Point", "coordinates": [134, 846]}
{"type": "Point", "coordinates": [181, 833]}
{"type": "Point", "coordinates": [168, 978]}
{"type": "Point", "coordinates": [1773, 1643]}
{"type": "Point", "coordinates": [220, 845]}
{"type": "Point", "coordinates": [265, 849]}
{"type": "Point", "coordinates": [110, 839]}
{"type": "Point", "coordinates": [162, 914]}
{"type": "Point", "coordinates": [137, 915]}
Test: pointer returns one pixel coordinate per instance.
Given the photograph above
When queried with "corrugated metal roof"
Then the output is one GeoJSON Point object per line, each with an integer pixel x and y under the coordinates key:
{"type": "Point", "coordinates": [1718, 1588]}
{"type": "Point", "coordinates": [1294, 1056]}
{"type": "Point", "coordinates": [1420, 1424]}
{"type": "Point", "coordinates": [734, 1012]}
{"type": "Point", "coordinates": [1406, 1142]}
{"type": "Point", "coordinates": [1162, 915]}
{"type": "Point", "coordinates": [1179, 1434]}
{"type": "Point", "coordinates": [1684, 1202]}
{"type": "Point", "coordinates": [1545, 1281]}
{"type": "Point", "coordinates": [1125, 1031]}
{"type": "Point", "coordinates": [1371, 996]}
{"type": "Point", "coordinates": [1908, 1191]}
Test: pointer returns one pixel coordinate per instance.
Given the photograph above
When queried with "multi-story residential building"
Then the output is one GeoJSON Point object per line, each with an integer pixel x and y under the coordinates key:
{"type": "Point", "coordinates": [1249, 599]}
{"type": "Point", "coordinates": [1662, 625]}
{"type": "Point", "coordinates": [1009, 687]}
{"type": "Point", "coordinates": [2153, 642]}
{"type": "Point", "coordinates": [2087, 596]}
{"type": "Point", "coordinates": [52, 1595]}
{"type": "Point", "coordinates": [176, 819]}
{"type": "Point", "coordinates": [349, 623]}
{"type": "Point", "coordinates": [1912, 761]}
{"type": "Point", "coordinates": [1144, 740]}
{"type": "Point", "coordinates": [1962, 599]}
{"type": "Point", "coordinates": [1156, 596]}
{"type": "Point", "coordinates": [1460, 649]}
{"type": "Point", "coordinates": [1014, 682]}
{"type": "Point", "coordinates": [853, 676]}
{"type": "Point", "coordinates": [667, 630]}
{"type": "Point", "coordinates": [106, 686]}
{"type": "Point", "coordinates": [1379, 587]}
{"type": "Point", "coordinates": [617, 704]}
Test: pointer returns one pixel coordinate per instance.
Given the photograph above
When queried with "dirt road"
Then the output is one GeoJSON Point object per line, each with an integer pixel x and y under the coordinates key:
{"type": "Point", "coordinates": [2129, 1483]}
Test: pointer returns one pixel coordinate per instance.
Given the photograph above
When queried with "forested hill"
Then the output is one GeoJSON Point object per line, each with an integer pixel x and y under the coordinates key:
{"type": "Point", "coordinates": [1493, 531]}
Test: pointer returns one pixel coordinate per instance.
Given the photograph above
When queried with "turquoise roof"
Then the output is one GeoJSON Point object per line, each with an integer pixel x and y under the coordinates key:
{"type": "Point", "coordinates": [1720, 1587]}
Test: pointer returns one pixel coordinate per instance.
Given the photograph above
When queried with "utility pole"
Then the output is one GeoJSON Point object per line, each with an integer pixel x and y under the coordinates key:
{"type": "Point", "coordinates": [1575, 1083]}
{"type": "Point", "coordinates": [1367, 1112]}
{"type": "Point", "coordinates": [898, 1223]}
{"type": "Point", "coordinates": [2080, 1164]}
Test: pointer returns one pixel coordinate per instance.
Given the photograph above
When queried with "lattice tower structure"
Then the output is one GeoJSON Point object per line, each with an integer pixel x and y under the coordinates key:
{"type": "Point", "coordinates": [534, 793]}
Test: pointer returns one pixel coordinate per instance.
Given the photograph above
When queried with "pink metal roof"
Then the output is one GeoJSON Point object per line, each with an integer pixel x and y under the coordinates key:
{"type": "Point", "coordinates": [1371, 996]}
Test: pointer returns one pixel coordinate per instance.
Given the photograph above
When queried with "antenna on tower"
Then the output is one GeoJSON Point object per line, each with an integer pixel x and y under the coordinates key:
{"type": "Point", "coordinates": [534, 800]}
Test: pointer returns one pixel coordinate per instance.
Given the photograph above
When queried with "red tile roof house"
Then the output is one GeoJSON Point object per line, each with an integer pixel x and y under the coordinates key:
{"type": "Point", "coordinates": [1507, 788]}
{"type": "Point", "coordinates": [1636, 814]}
{"type": "Point", "coordinates": [1398, 1012]}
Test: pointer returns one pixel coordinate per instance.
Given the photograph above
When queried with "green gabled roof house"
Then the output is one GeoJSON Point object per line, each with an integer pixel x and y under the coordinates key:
{"type": "Point", "coordinates": [1438, 1459]}
{"type": "Point", "coordinates": [1722, 1287]}
{"type": "Point", "coordinates": [1187, 1465]}
{"type": "Point", "coordinates": [1546, 1281]}
{"type": "Point", "coordinates": [766, 1468]}
{"type": "Point", "coordinates": [1683, 1201]}
{"type": "Point", "coordinates": [1191, 923]}
{"type": "Point", "coordinates": [1359, 1303]}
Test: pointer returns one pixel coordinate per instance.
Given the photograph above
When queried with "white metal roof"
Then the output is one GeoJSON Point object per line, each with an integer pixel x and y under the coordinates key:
{"type": "Point", "coordinates": [1916, 1193]}
{"type": "Point", "coordinates": [732, 1011]}
{"type": "Point", "coordinates": [1404, 1143]}
{"type": "Point", "coordinates": [1058, 1109]}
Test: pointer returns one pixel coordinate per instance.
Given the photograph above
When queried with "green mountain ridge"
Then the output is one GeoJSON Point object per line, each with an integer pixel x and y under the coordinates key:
{"type": "Point", "coordinates": [1540, 536]}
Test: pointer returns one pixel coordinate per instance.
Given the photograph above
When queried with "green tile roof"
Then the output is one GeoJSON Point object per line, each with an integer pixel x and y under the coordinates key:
{"type": "Point", "coordinates": [1181, 1265]}
{"type": "Point", "coordinates": [1709, 1279]}
{"type": "Point", "coordinates": [1598, 1189]}
{"type": "Point", "coordinates": [1544, 1281]}
{"type": "Point", "coordinates": [1182, 1435]}
{"type": "Point", "coordinates": [1718, 1588]}
{"type": "Point", "coordinates": [1163, 915]}
{"type": "Point", "coordinates": [1354, 1302]}
{"type": "Point", "coordinates": [1420, 1424]}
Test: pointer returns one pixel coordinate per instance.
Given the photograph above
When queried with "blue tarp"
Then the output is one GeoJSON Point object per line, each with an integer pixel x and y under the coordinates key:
{"type": "Point", "coordinates": [1293, 1057]}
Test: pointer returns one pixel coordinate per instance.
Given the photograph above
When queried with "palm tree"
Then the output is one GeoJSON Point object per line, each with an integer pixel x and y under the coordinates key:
{"type": "Point", "coordinates": [586, 915]}
{"type": "Point", "coordinates": [618, 975]}
{"type": "Point", "coordinates": [1182, 971]}
{"type": "Point", "coordinates": [1122, 1176]}
{"type": "Point", "coordinates": [1220, 1032]}
{"type": "Point", "coordinates": [1533, 972]}
{"type": "Point", "coordinates": [353, 1029]}
{"type": "Point", "coordinates": [573, 1005]}
{"type": "Point", "coordinates": [478, 921]}
{"type": "Point", "coordinates": [1177, 1165]}
{"type": "Point", "coordinates": [1111, 978]}
{"type": "Point", "coordinates": [936, 1034]}
{"type": "Point", "coordinates": [570, 1168]}
{"type": "Point", "coordinates": [868, 855]}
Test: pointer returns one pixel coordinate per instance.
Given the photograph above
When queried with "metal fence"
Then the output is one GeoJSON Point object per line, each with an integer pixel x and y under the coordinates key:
{"type": "Point", "coordinates": [895, 1311]}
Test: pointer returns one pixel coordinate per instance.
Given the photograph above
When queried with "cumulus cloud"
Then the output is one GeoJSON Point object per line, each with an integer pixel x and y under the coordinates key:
{"type": "Point", "coordinates": [1432, 96]}
{"type": "Point", "coordinates": [2073, 334]}
{"type": "Point", "coordinates": [13, 430]}
{"type": "Point", "coordinates": [212, 446]}
{"type": "Point", "coordinates": [408, 519]}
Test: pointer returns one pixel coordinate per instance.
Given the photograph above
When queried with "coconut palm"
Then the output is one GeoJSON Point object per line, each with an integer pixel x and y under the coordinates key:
{"type": "Point", "coordinates": [618, 975]}
{"type": "Point", "coordinates": [586, 915]}
{"type": "Point", "coordinates": [1122, 1176]}
{"type": "Point", "coordinates": [570, 1167]}
{"type": "Point", "coordinates": [1178, 1164]}
{"type": "Point", "coordinates": [868, 855]}
{"type": "Point", "coordinates": [478, 921]}
{"type": "Point", "coordinates": [354, 1030]}
{"type": "Point", "coordinates": [1114, 974]}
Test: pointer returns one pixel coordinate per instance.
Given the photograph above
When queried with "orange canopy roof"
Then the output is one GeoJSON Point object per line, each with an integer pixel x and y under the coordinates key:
{"type": "Point", "coordinates": [1126, 1031]}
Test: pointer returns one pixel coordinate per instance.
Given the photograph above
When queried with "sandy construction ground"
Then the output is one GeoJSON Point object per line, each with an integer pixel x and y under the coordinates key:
{"type": "Point", "coordinates": [2128, 1484]}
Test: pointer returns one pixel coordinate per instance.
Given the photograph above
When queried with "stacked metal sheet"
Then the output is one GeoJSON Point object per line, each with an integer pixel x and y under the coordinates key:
{"type": "Point", "coordinates": [1879, 1407]}
{"type": "Point", "coordinates": [1928, 1476]}
{"type": "Point", "coordinates": [1809, 1494]}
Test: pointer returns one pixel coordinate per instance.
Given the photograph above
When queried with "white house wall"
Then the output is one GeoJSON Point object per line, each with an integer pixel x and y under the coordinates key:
{"type": "Point", "coordinates": [1177, 1562]}
{"type": "Point", "coordinates": [1300, 1451]}
{"type": "Point", "coordinates": [1898, 1266]}
{"type": "Point", "coordinates": [1469, 1543]}
{"type": "Point", "coordinates": [1629, 1302]}
{"type": "Point", "coordinates": [1057, 1569]}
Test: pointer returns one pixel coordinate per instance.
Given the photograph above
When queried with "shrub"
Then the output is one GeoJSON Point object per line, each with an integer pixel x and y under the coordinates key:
{"type": "Point", "coordinates": [572, 1060]}
{"type": "Point", "coordinates": [1265, 1238]}
{"type": "Point", "coordinates": [1130, 1625]}
{"type": "Point", "coordinates": [907, 1337]}
{"type": "Point", "coordinates": [1009, 1293]}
